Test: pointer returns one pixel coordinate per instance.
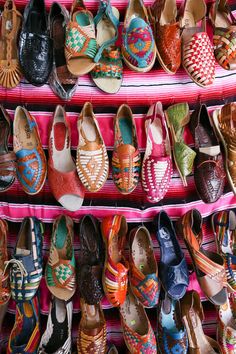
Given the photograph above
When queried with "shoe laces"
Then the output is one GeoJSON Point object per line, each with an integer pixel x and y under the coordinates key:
{"type": "Point", "coordinates": [17, 266]}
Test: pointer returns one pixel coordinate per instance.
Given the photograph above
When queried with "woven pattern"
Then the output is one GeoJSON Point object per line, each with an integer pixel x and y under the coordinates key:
{"type": "Point", "coordinates": [226, 334]}
{"type": "Point", "coordinates": [224, 41]}
{"type": "Point", "coordinates": [110, 65]}
{"type": "Point", "coordinates": [92, 344]}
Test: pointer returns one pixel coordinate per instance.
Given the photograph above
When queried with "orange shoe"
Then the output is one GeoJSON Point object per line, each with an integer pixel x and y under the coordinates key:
{"type": "Point", "coordinates": [4, 277]}
{"type": "Point", "coordinates": [115, 274]}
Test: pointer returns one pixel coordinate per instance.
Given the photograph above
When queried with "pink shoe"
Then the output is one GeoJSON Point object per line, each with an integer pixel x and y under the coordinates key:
{"type": "Point", "coordinates": [157, 164]}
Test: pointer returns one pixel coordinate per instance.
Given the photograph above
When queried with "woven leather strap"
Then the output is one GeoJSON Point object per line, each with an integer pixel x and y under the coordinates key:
{"type": "Point", "coordinates": [224, 41]}
{"type": "Point", "coordinates": [8, 164]}
{"type": "Point", "coordinates": [110, 64]}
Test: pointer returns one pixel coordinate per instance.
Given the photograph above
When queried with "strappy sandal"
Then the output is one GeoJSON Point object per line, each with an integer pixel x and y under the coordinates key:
{"type": "Point", "coordinates": [80, 43]}
{"type": "Point", "coordinates": [107, 74]}
{"type": "Point", "coordinates": [192, 317]}
{"type": "Point", "coordinates": [224, 38]}
{"type": "Point", "coordinates": [197, 52]}
{"type": "Point", "coordinates": [208, 266]}
{"type": "Point", "coordinates": [177, 117]}
{"type": "Point", "coordinates": [4, 276]}
{"type": "Point", "coordinates": [224, 227]}
{"type": "Point", "coordinates": [10, 70]}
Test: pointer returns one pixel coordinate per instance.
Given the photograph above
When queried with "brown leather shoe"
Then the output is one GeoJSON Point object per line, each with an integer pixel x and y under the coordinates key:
{"type": "Point", "coordinates": [162, 15]}
{"type": "Point", "coordinates": [209, 172]}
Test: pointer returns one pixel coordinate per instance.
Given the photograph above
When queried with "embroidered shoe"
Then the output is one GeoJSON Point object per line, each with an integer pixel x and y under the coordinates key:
{"type": "Point", "coordinates": [4, 276]}
{"type": "Point", "coordinates": [31, 160]}
{"type": "Point", "coordinates": [60, 269]}
{"type": "Point", "coordinates": [92, 159]}
{"type": "Point", "coordinates": [143, 276]}
{"type": "Point", "coordinates": [157, 164]}
{"type": "Point", "coordinates": [126, 159]}
{"type": "Point", "coordinates": [115, 279]}
{"type": "Point", "coordinates": [27, 260]}
{"type": "Point", "coordinates": [25, 335]}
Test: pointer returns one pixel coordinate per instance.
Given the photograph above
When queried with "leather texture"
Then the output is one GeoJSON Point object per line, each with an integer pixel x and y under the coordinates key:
{"type": "Point", "coordinates": [4, 276]}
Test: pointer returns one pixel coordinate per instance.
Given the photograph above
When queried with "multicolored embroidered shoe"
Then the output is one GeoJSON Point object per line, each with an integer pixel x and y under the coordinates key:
{"type": "Point", "coordinates": [92, 160]}
{"type": "Point", "coordinates": [143, 276]}
{"type": "Point", "coordinates": [137, 330]}
{"type": "Point", "coordinates": [27, 260]}
{"type": "Point", "coordinates": [31, 160]}
{"type": "Point", "coordinates": [224, 227]}
{"type": "Point", "coordinates": [115, 279]}
{"type": "Point", "coordinates": [5, 292]}
{"type": "Point", "coordinates": [157, 163]}
{"type": "Point", "coordinates": [25, 335]}
{"type": "Point", "coordinates": [92, 336]}
{"type": "Point", "coordinates": [126, 159]}
{"type": "Point", "coordinates": [138, 44]}
{"type": "Point", "coordinates": [171, 335]}
{"type": "Point", "coordinates": [57, 336]}
{"type": "Point", "coordinates": [60, 269]}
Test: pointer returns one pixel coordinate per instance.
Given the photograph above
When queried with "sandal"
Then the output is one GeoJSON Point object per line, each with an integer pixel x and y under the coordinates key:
{"type": "Point", "coordinates": [80, 42]}
{"type": "Point", "coordinates": [10, 70]}
{"type": "Point", "coordinates": [5, 292]}
{"type": "Point", "coordinates": [178, 117]}
{"type": "Point", "coordinates": [226, 329]}
{"type": "Point", "coordinates": [208, 266]}
{"type": "Point", "coordinates": [192, 317]}
{"type": "Point", "coordinates": [197, 53]}
{"type": "Point", "coordinates": [107, 74]}
{"type": "Point", "coordinates": [224, 38]}
{"type": "Point", "coordinates": [224, 227]}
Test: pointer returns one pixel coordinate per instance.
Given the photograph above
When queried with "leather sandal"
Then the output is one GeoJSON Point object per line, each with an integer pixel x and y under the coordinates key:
{"type": "Point", "coordinates": [208, 266]}
{"type": "Point", "coordinates": [192, 317]}
{"type": "Point", "coordinates": [10, 70]}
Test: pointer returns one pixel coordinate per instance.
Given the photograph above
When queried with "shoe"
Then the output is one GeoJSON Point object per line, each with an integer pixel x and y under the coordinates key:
{"type": "Point", "coordinates": [138, 44]}
{"type": "Point", "coordinates": [61, 81]}
{"type": "Point", "coordinates": [173, 269]}
{"type": "Point", "coordinates": [60, 272]}
{"type": "Point", "coordinates": [177, 117]}
{"type": "Point", "coordinates": [192, 317]}
{"type": "Point", "coordinates": [25, 335]}
{"type": "Point", "coordinates": [126, 159]}
{"type": "Point", "coordinates": [5, 291]}
{"type": "Point", "coordinates": [171, 333]}
{"type": "Point", "coordinates": [92, 334]}
{"type": "Point", "coordinates": [91, 260]}
{"type": "Point", "coordinates": [26, 265]}
{"type": "Point", "coordinates": [115, 272]}
{"type": "Point", "coordinates": [92, 159]}
{"type": "Point", "coordinates": [208, 266]}
{"type": "Point", "coordinates": [226, 326]}
{"type": "Point", "coordinates": [80, 43]}
{"type": "Point", "coordinates": [163, 15]}
{"type": "Point", "coordinates": [197, 52]}
{"type": "Point", "coordinates": [30, 157]}
{"type": "Point", "coordinates": [224, 228]}
{"type": "Point", "coordinates": [10, 70]}
{"type": "Point", "coordinates": [62, 174]}
{"type": "Point", "coordinates": [57, 336]}
{"type": "Point", "coordinates": [108, 72]}
{"type": "Point", "coordinates": [137, 330]}
{"type": "Point", "coordinates": [223, 120]}
{"type": "Point", "coordinates": [35, 44]}
{"type": "Point", "coordinates": [143, 274]}
{"type": "Point", "coordinates": [7, 159]}
{"type": "Point", "coordinates": [209, 172]}
{"type": "Point", "coordinates": [224, 34]}
{"type": "Point", "coordinates": [157, 164]}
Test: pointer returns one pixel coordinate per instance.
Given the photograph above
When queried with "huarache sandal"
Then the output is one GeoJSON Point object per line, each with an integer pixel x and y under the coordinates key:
{"type": "Point", "coordinates": [224, 38]}
{"type": "Point", "coordinates": [209, 266]}
{"type": "Point", "coordinates": [197, 52]}
{"type": "Point", "coordinates": [5, 292]}
{"type": "Point", "coordinates": [177, 118]}
{"type": "Point", "coordinates": [192, 317]}
{"type": "Point", "coordinates": [7, 159]}
{"type": "Point", "coordinates": [80, 44]}
{"type": "Point", "coordinates": [224, 227]}
{"type": "Point", "coordinates": [107, 74]}
{"type": "Point", "coordinates": [10, 70]}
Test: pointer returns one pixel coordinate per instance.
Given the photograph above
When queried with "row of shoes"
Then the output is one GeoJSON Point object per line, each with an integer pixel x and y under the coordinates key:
{"type": "Point", "coordinates": [20, 277]}
{"type": "Point", "coordinates": [73, 45]}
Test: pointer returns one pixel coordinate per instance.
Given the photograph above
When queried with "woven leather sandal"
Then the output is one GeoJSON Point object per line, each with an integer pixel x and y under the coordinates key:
{"type": "Point", "coordinates": [10, 70]}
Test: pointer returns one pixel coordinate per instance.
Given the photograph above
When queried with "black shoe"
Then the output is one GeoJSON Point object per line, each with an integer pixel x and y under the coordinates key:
{"type": "Point", "coordinates": [35, 45]}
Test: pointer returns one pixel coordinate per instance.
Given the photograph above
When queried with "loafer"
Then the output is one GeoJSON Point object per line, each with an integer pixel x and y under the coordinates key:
{"type": "Point", "coordinates": [35, 44]}
{"type": "Point", "coordinates": [5, 291]}
{"type": "Point", "coordinates": [30, 158]}
{"type": "Point", "coordinates": [209, 172]}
